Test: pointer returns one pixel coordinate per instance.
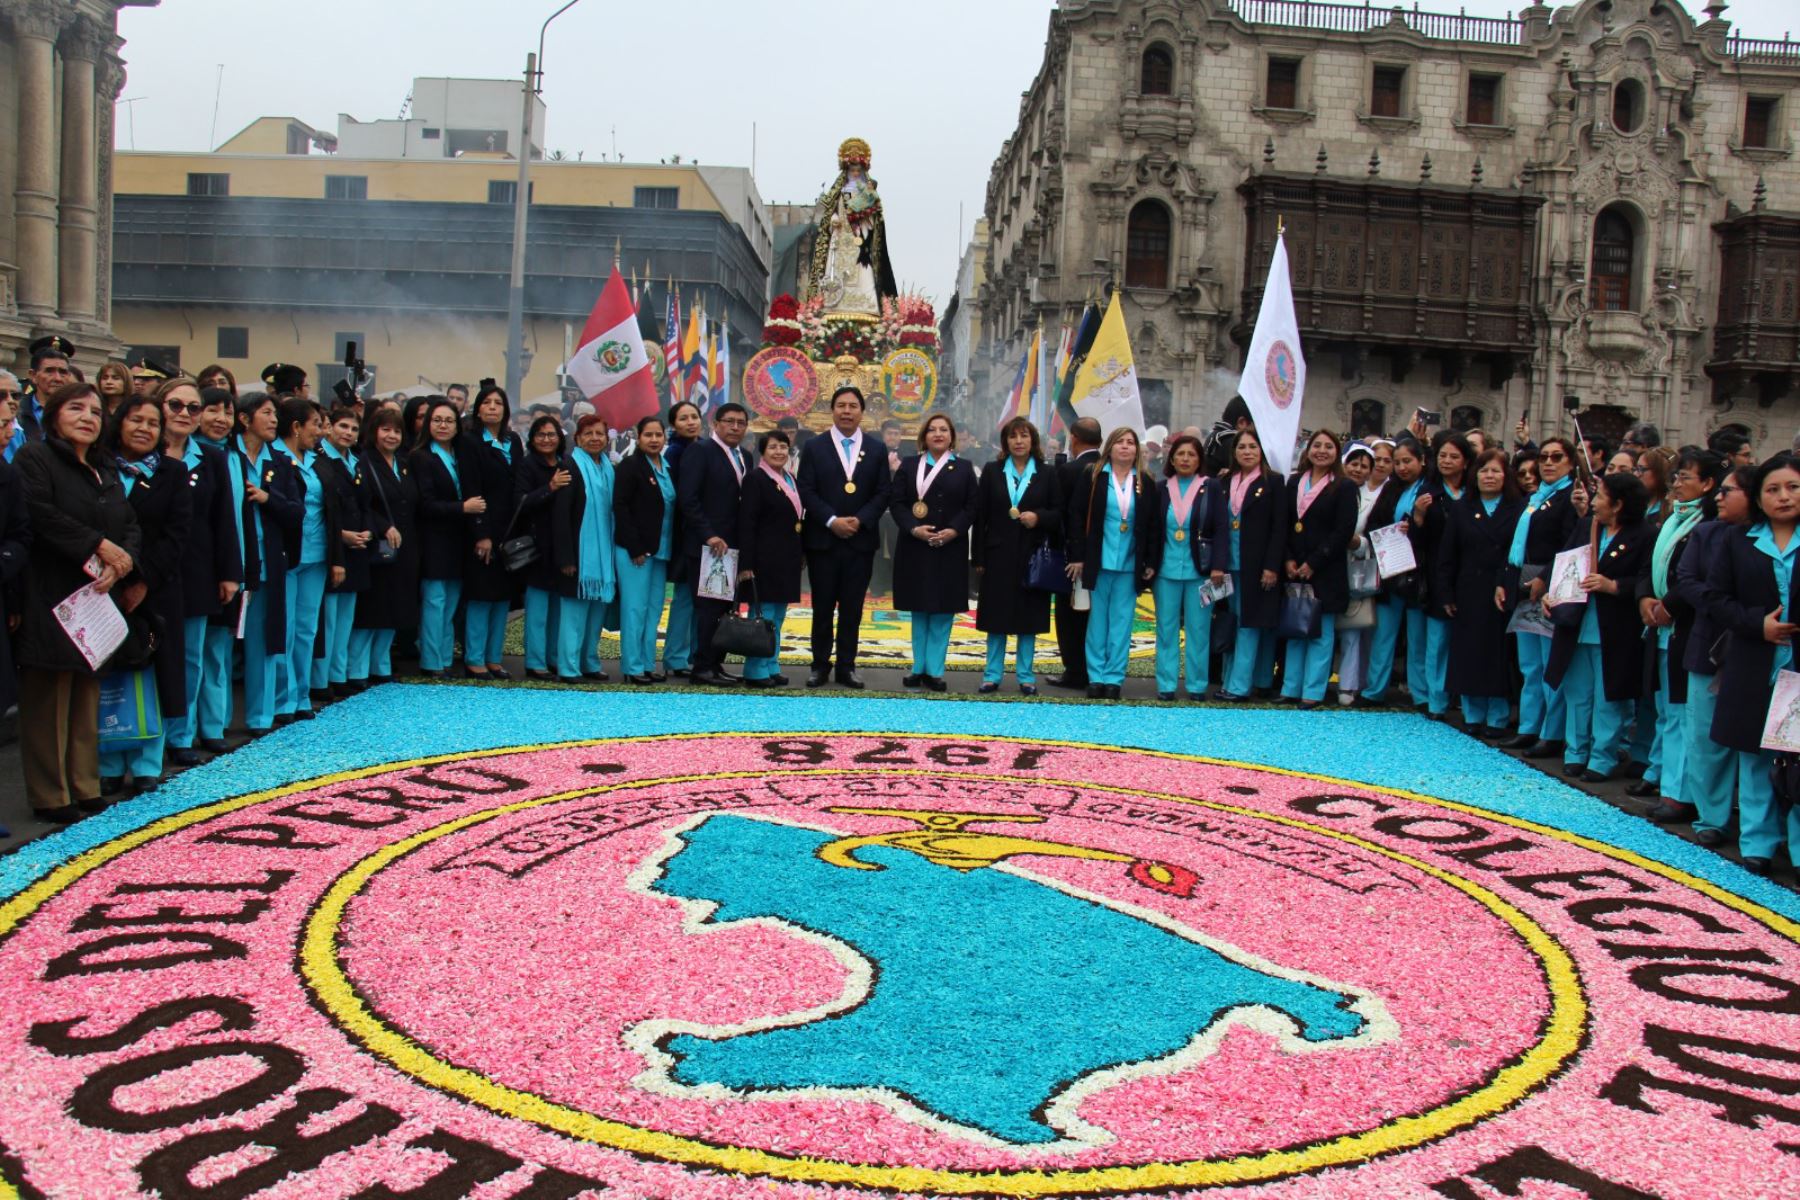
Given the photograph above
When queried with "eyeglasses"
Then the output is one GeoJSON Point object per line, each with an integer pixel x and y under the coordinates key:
{"type": "Point", "coordinates": [184, 406]}
{"type": "Point", "coordinates": [1640, 470]}
{"type": "Point", "coordinates": [1731, 490]}
{"type": "Point", "coordinates": [1554, 457]}
{"type": "Point", "coordinates": [8, 394]}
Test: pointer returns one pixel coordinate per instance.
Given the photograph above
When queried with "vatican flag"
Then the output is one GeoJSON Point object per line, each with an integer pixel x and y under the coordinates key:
{"type": "Point", "coordinates": [1274, 379]}
{"type": "Point", "coordinates": [1107, 388]}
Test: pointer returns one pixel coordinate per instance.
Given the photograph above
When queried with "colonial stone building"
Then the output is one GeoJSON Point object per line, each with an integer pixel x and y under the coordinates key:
{"type": "Point", "coordinates": [60, 73]}
{"type": "Point", "coordinates": [1593, 206]}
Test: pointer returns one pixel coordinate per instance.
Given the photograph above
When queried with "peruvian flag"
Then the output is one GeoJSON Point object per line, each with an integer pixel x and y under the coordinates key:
{"type": "Point", "coordinates": [610, 367]}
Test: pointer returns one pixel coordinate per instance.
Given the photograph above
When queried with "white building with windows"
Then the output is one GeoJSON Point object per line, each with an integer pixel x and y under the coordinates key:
{"type": "Point", "coordinates": [448, 118]}
{"type": "Point", "coordinates": [1593, 206]}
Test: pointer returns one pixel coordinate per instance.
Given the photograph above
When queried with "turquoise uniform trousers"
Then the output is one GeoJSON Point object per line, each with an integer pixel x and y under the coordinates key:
{"type": "Point", "coordinates": [371, 653]}
{"type": "Point", "coordinates": [438, 599]}
{"type": "Point", "coordinates": [1308, 665]}
{"type": "Point", "coordinates": [1418, 656]}
{"type": "Point", "coordinates": [641, 592]}
{"type": "Point", "coordinates": [1668, 756]}
{"type": "Point", "coordinates": [1764, 822]}
{"type": "Point", "coordinates": [756, 668]}
{"type": "Point", "coordinates": [1178, 613]}
{"type": "Point", "coordinates": [293, 674]}
{"type": "Point", "coordinates": [1485, 710]}
{"type": "Point", "coordinates": [260, 661]}
{"type": "Point", "coordinates": [931, 642]}
{"type": "Point", "coordinates": [578, 629]}
{"type": "Point", "coordinates": [484, 632]}
{"type": "Point", "coordinates": [1252, 661]}
{"type": "Point", "coordinates": [1595, 725]}
{"type": "Point", "coordinates": [1390, 615]}
{"type": "Point", "coordinates": [1110, 617]}
{"type": "Point", "coordinates": [1541, 707]}
{"type": "Point", "coordinates": [541, 611]}
{"type": "Point", "coordinates": [1024, 658]}
{"type": "Point", "coordinates": [178, 732]}
{"type": "Point", "coordinates": [678, 640]}
{"type": "Point", "coordinates": [1708, 773]}
{"type": "Point", "coordinates": [1437, 665]}
{"type": "Point", "coordinates": [335, 618]}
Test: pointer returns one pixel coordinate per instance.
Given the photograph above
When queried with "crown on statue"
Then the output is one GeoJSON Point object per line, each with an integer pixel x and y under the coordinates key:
{"type": "Point", "coordinates": [853, 151]}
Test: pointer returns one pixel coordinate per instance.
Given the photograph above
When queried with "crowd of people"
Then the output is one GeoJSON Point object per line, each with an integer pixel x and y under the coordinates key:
{"type": "Point", "coordinates": [268, 545]}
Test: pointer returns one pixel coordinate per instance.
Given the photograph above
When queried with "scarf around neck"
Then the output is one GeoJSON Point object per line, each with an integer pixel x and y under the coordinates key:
{"type": "Point", "coordinates": [1516, 555]}
{"type": "Point", "coordinates": [1682, 517]}
{"type": "Point", "coordinates": [594, 556]}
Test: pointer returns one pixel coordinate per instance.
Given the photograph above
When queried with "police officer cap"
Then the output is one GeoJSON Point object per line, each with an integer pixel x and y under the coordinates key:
{"type": "Point", "coordinates": [283, 377]}
{"type": "Point", "coordinates": [149, 368]}
{"type": "Point", "coordinates": [51, 344]}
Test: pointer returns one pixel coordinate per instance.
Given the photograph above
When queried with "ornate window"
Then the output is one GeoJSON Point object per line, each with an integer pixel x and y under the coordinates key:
{"type": "Point", "coordinates": [1283, 90]}
{"type": "Point", "coordinates": [1157, 77]}
{"type": "Point", "coordinates": [1759, 121]}
{"type": "Point", "coordinates": [1628, 105]}
{"type": "Point", "coordinates": [1615, 249]}
{"type": "Point", "coordinates": [1484, 100]}
{"type": "Point", "coordinates": [1368, 418]}
{"type": "Point", "coordinates": [1387, 86]}
{"type": "Point", "coordinates": [1147, 246]}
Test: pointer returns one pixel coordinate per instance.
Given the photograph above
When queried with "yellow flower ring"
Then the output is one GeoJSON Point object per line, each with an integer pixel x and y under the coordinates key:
{"type": "Point", "coordinates": [1563, 1030]}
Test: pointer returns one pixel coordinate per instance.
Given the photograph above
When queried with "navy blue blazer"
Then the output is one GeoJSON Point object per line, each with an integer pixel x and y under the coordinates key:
{"type": "Point", "coordinates": [213, 555]}
{"type": "Point", "coordinates": [1085, 537]}
{"type": "Point", "coordinates": [821, 482]}
{"type": "Point", "coordinates": [1321, 540]}
{"type": "Point", "coordinates": [1208, 525]}
{"type": "Point", "coordinates": [1694, 591]}
{"type": "Point", "coordinates": [707, 492]}
{"type": "Point", "coordinates": [1745, 579]}
{"type": "Point", "coordinates": [444, 539]}
{"type": "Point", "coordinates": [281, 516]}
{"type": "Point", "coordinates": [1262, 546]}
{"type": "Point", "coordinates": [164, 507]}
{"type": "Point", "coordinates": [1621, 627]}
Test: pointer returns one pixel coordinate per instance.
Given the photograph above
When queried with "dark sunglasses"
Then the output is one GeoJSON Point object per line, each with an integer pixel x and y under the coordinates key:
{"type": "Point", "coordinates": [184, 406]}
{"type": "Point", "coordinates": [1554, 457]}
{"type": "Point", "coordinates": [9, 394]}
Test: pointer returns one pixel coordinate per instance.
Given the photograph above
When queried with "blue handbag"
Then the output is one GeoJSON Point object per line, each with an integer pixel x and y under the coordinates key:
{"type": "Point", "coordinates": [129, 712]}
{"type": "Point", "coordinates": [1300, 614]}
{"type": "Point", "coordinates": [1047, 571]}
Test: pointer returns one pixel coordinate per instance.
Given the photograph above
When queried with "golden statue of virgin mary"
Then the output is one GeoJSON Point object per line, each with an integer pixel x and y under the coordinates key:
{"type": "Point", "coordinates": [850, 267]}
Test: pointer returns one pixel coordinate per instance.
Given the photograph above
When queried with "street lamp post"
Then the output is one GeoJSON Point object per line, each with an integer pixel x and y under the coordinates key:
{"type": "Point", "coordinates": [516, 358]}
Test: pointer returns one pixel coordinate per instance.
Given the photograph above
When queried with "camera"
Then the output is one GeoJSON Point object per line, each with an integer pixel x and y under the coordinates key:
{"type": "Point", "coordinates": [1428, 418]}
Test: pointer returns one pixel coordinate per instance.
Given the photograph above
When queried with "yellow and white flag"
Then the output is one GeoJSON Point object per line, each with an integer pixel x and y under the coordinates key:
{"type": "Point", "coordinates": [1274, 379]}
{"type": "Point", "coordinates": [1106, 389]}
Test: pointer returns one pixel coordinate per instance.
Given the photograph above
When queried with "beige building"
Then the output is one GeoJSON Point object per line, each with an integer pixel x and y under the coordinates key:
{"type": "Point", "coordinates": [60, 73]}
{"type": "Point", "coordinates": [1596, 205]}
{"type": "Point", "coordinates": [267, 250]}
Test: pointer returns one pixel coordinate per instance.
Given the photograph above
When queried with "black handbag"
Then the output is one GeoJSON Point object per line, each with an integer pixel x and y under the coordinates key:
{"type": "Point", "coordinates": [517, 553]}
{"type": "Point", "coordinates": [749, 635]}
{"type": "Point", "coordinates": [1047, 570]}
{"type": "Point", "coordinates": [1299, 613]}
{"type": "Point", "coordinates": [382, 550]}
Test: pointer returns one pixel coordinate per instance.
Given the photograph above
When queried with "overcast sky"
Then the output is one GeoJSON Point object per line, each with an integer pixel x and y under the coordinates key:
{"type": "Point", "coordinates": [932, 85]}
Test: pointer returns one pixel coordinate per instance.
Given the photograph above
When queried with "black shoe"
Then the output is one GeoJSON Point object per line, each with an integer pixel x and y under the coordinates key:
{"type": "Point", "coordinates": [1496, 734]}
{"type": "Point", "coordinates": [936, 683]}
{"type": "Point", "coordinates": [1521, 741]}
{"type": "Point", "coordinates": [149, 784]}
{"type": "Point", "coordinates": [305, 714]}
{"type": "Point", "coordinates": [730, 676]}
{"type": "Point", "coordinates": [1165, 696]}
{"type": "Point", "coordinates": [1543, 748]}
{"type": "Point", "coordinates": [779, 681]}
{"type": "Point", "coordinates": [1643, 788]}
{"type": "Point", "coordinates": [1028, 689]}
{"type": "Point", "coordinates": [111, 785]}
{"type": "Point", "coordinates": [283, 720]}
{"type": "Point", "coordinates": [378, 680]}
{"type": "Point", "coordinates": [320, 696]}
{"type": "Point", "coordinates": [659, 677]}
{"type": "Point", "coordinates": [186, 756]}
{"type": "Point", "coordinates": [213, 745]}
{"type": "Point", "coordinates": [713, 679]}
{"type": "Point", "coordinates": [986, 688]}
{"type": "Point", "coordinates": [912, 681]}
{"type": "Point", "coordinates": [1757, 866]}
{"type": "Point", "coordinates": [66, 815]}
{"type": "Point", "coordinates": [818, 677]}
{"type": "Point", "coordinates": [1309, 705]}
{"type": "Point", "coordinates": [595, 676]}
{"type": "Point", "coordinates": [1574, 770]}
{"type": "Point", "coordinates": [1630, 770]}
{"type": "Point", "coordinates": [1224, 697]}
{"type": "Point", "coordinates": [1113, 692]}
{"type": "Point", "coordinates": [428, 673]}
{"type": "Point", "coordinates": [534, 673]}
{"type": "Point", "coordinates": [1096, 691]}
{"type": "Point", "coordinates": [1710, 838]}
{"type": "Point", "coordinates": [768, 682]}
{"type": "Point", "coordinates": [682, 672]}
{"type": "Point", "coordinates": [640, 680]}
{"type": "Point", "coordinates": [1589, 775]}
{"type": "Point", "coordinates": [850, 679]}
{"type": "Point", "coordinates": [1065, 680]}
{"type": "Point", "coordinates": [1673, 812]}
{"type": "Point", "coordinates": [498, 672]}
{"type": "Point", "coordinates": [571, 680]}
{"type": "Point", "coordinates": [480, 676]}
{"type": "Point", "coordinates": [92, 806]}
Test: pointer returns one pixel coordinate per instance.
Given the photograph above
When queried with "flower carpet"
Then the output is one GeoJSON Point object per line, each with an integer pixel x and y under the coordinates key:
{"type": "Point", "coordinates": [518, 944]}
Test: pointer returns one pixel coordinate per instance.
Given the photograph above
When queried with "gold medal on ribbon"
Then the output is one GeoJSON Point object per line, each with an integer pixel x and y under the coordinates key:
{"type": "Point", "coordinates": [1234, 522]}
{"type": "Point", "coordinates": [796, 527]}
{"type": "Point", "coordinates": [1124, 527]}
{"type": "Point", "coordinates": [849, 487]}
{"type": "Point", "coordinates": [1181, 535]}
{"type": "Point", "coordinates": [1013, 512]}
{"type": "Point", "coordinates": [1299, 526]}
{"type": "Point", "coordinates": [919, 510]}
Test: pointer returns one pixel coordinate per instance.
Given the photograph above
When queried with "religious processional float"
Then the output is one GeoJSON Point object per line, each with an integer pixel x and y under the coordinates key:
{"type": "Point", "coordinates": [852, 325]}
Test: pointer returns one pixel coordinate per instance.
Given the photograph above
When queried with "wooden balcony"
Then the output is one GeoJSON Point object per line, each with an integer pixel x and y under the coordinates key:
{"type": "Point", "coordinates": [1756, 341]}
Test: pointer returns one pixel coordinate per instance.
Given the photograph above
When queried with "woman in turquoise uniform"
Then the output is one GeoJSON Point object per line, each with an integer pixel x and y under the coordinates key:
{"type": "Point", "coordinates": [1018, 508]}
{"type": "Point", "coordinates": [1323, 504]}
{"type": "Point", "coordinates": [685, 428]}
{"type": "Point", "coordinates": [300, 429]}
{"type": "Point", "coordinates": [347, 540]}
{"type": "Point", "coordinates": [391, 499]}
{"type": "Point", "coordinates": [643, 543]}
{"type": "Point", "coordinates": [1544, 528]}
{"type": "Point", "coordinates": [493, 449]}
{"type": "Point", "coordinates": [1446, 486]}
{"type": "Point", "coordinates": [447, 500]}
{"type": "Point", "coordinates": [933, 505]}
{"type": "Point", "coordinates": [1256, 507]}
{"type": "Point", "coordinates": [583, 550]}
{"type": "Point", "coordinates": [1115, 554]}
{"type": "Point", "coordinates": [543, 471]}
{"type": "Point", "coordinates": [770, 549]}
{"type": "Point", "coordinates": [1196, 537]}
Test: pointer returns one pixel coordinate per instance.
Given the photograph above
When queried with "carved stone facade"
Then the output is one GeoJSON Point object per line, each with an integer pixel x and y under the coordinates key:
{"type": "Point", "coordinates": [60, 74]}
{"type": "Point", "coordinates": [1539, 211]}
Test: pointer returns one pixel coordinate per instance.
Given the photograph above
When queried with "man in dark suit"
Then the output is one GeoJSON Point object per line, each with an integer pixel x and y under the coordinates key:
{"type": "Point", "coordinates": [843, 482]}
{"type": "Point", "coordinates": [712, 475]}
{"type": "Point", "coordinates": [1071, 624]}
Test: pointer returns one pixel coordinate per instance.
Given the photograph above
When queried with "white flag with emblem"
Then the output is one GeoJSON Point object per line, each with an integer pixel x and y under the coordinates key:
{"type": "Point", "coordinates": [1274, 380]}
